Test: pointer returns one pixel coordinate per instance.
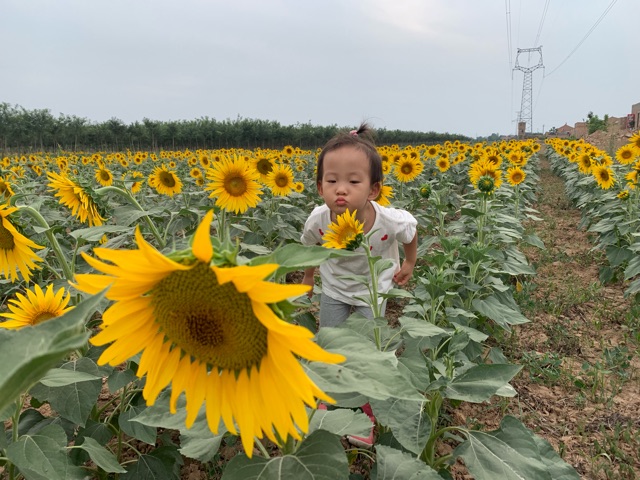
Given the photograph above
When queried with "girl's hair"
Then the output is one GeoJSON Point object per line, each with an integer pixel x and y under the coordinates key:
{"type": "Point", "coordinates": [362, 139]}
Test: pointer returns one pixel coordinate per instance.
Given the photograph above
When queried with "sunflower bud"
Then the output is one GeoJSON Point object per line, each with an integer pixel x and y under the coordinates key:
{"type": "Point", "coordinates": [425, 190]}
{"type": "Point", "coordinates": [486, 184]}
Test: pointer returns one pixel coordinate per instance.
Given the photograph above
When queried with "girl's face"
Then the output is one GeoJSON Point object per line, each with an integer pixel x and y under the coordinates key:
{"type": "Point", "coordinates": [346, 182]}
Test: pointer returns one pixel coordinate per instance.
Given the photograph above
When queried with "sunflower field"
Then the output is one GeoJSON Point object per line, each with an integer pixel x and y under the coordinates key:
{"type": "Point", "coordinates": [154, 317]}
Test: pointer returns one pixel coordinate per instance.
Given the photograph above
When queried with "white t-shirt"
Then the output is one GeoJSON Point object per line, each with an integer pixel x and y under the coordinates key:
{"type": "Point", "coordinates": [391, 227]}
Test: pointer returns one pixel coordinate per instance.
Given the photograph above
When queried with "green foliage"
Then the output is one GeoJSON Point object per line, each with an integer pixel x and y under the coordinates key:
{"type": "Point", "coordinates": [595, 123]}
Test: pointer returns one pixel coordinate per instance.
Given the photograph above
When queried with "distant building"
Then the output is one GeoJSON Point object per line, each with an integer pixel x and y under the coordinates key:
{"type": "Point", "coordinates": [564, 131]}
{"type": "Point", "coordinates": [635, 111]}
{"type": "Point", "coordinates": [580, 130]}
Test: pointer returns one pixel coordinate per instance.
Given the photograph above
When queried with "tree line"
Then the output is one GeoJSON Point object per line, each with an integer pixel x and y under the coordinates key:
{"type": "Point", "coordinates": [23, 130]}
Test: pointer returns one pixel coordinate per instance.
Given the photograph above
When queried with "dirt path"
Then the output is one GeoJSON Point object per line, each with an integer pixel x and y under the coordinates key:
{"type": "Point", "coordinates": [580, 386]}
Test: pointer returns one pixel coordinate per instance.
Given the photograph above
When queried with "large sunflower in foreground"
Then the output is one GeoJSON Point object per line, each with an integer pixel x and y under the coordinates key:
{"type": "Point", "coordinates": [603, 175]}
{"type": "Point", "coordinates": [15, 249]}
{"type": "Point", "coordinates": [345, 233]}
{"type": "Point", "coordinates": [210, 332]}
{"type": "Point", "coordinates": [234, 184]}
{"type": "Point", "coordinates": [165, 181]}
{"type": "Point", "coordinates": [75, 197]}
{"type": "Point", "coordinates": [281, 180]}
{"type": "Point", "coordinates": [36, 307]}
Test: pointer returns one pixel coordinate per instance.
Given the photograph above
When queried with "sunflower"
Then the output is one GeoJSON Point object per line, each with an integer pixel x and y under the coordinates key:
{"type": "Point", "coordinates": [36, 307]}
{"type": "Point", "coordinates": [104, 177]}
{"type": "Point", "coordinates": [75, 197]}
{"type": "Point", "coordinates": [5, 189]}
{"type": "Point", "coordinates": [443, 164]}
{"type": "Point", "coordinates": [623, 194]}
{"type": "Point", "coordinates": [263, 165]}
{"type": "Point", "coordinates": [483, 167]}
{"type": "Point", "coordinates": [407, 169]}
{"type": "Point", "coordinates": [15, 248]}
{"type": "Point", "coordinates": [298, 187]}
{"type": "Point", "coordinates": [210, 332]}
{"type": "Point", "coordinates": [515, 175]}
{"type": "Point", "coordinates": [386, 193]}
{"type": "Point", "coordinates": [280, 180]}
{"type": "Point", "coordinates": [345, 233]}
{"type": "Point", "coordinates": [603, 175]}
{"type": "Point", "coordinates": [634, 141]}
{"type": "Point", "coordinates": [626, 154]}
{"type": "Point", "coordinates": [584, 163]}
{"type": "Point", "coordinates": [432, 151]}
{"type": "Point", "coordinates": [235, 184]}
{"type": "Point", "coordinates": [195, 172]}
{"type": "Point", "coordinates": [165, 181]}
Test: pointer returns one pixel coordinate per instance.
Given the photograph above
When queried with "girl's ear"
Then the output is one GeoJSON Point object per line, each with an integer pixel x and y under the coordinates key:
{"type": "Point", "coordinates": [375, 191]}
{"type": "Point", "coordinates": [319, 187]}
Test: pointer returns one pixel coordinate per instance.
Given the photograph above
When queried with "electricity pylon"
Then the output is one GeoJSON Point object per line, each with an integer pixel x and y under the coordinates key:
{"type": "Point", "coordinates": [527, 86]}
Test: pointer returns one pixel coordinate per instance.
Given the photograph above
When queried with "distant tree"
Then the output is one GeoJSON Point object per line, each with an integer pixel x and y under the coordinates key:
{"type": "Point", "coordinates": [594, 123]}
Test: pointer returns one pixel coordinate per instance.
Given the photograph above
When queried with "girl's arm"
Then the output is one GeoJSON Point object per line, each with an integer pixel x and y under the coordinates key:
{"type": "Point", "coordinates": [403, 275]}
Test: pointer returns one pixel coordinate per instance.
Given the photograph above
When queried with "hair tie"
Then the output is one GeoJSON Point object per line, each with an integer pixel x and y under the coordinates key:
{"type": "Point", "coordinates": [354, 133]}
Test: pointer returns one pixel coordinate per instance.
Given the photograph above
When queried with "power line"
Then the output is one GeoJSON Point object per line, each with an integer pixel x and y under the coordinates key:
{"type": "Point", "coordinates": [544, 14]}
{"type": "Point", "coordinates": [585, 37]}
{"type": "Point", "coordinates": [507, 6]}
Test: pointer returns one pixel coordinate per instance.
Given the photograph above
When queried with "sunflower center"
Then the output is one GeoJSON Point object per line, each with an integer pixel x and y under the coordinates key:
{"type": "Point", "coordinates": [42, 317]}
{"type": "Point", "coordinates": [604, 175]}
{"type": "Point", "coordinates": [235, 185]}
{"type": "Point", "coordinates": [406, 168]}
{"type": "Point", "coordinates": [281, 180]}
{"type": "Point", "coordinates": [213, 323]}
{"type": "Point", "coordinates": [166, 178]}
{"type": "Point", "coordinates": [6, 239]}
{"type": "Point", "coordinates": [264, 166]}
{"type": "Point", "coordinates": [104, 175]}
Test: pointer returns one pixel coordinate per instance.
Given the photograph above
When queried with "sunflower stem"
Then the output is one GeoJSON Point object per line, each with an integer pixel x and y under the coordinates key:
{"type": "Point", "coordinates": [261, 447]}
{"type": "Point", "coordinates": [131, 199]}
{"type": "Point", "coordinates": [68, 272]}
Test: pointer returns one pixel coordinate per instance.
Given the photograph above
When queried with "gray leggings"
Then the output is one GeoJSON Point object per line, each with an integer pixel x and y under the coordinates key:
{"type": "Point", "coordinates": [334, 312]}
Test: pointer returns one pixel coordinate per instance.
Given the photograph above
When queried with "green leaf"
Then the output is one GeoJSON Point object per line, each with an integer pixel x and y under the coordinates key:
{"type": "Point", "coordinates": [533, 240]}
{"type": "Point", "coordinates": [94, 234]}
{"type": "Point", "coordinates": [408, 422]}
{"type": "Point", "coordinates": [633, 268]}
{"type": "Point", "coordinates": [127, 215]}
{"type": "Point", "coordinates": [294, 257]}
{"type": "Point", "coordinates": [558, 468]}
{"type": "Point", "coordinates": [27, 354]}
{"type": "Point", "coordinates": [392, 464]}
{"type": "Point", "coordinates": [618, 255]}
{"type": "Point", "coordinates": [480, 382]}
{"type": "Point", "coordinates": [197, 442]}
{"type": "Point", "coordinates": [43, 456]}
{"type": "Point", "coordinates": [320, 456]}
{"type": "Point", "coordinates": [367, 370]}
{"type": "Point", "coordinates": [511, 452]}
{"type": "Point", "coordinates": [101, 456]}
{"type": "Point", "coordinates": [135, 429]}
{"type": "Point", "coordinates": [59, 377]}
{"type": "Point", "coordinates": [120, 378]}
{"type": "Point", "coordinates": [342, 421]}
{"type": "Point", "coordinates": [74, 401]}
{"type": "Point", "coordinates": [471, 212]}
{"type": "Point", "coordinates": [417, 328]}
{"type": "Point", "coordinates": [500, 313]}
{"type": "Point", "coordinates": [148, 467]}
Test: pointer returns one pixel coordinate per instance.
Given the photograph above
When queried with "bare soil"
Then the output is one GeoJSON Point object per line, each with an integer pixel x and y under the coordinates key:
{"type": "Point", "coordinates": [569, 391]}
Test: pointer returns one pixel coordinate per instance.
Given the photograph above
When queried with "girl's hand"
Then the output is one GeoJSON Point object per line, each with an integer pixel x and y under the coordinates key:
{"type": "Point", "coordinates": [403, 275]}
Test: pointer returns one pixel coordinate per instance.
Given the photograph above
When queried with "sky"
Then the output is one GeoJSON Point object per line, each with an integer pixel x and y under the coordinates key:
{"type": "Point", "coordinates": [423, 65]}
